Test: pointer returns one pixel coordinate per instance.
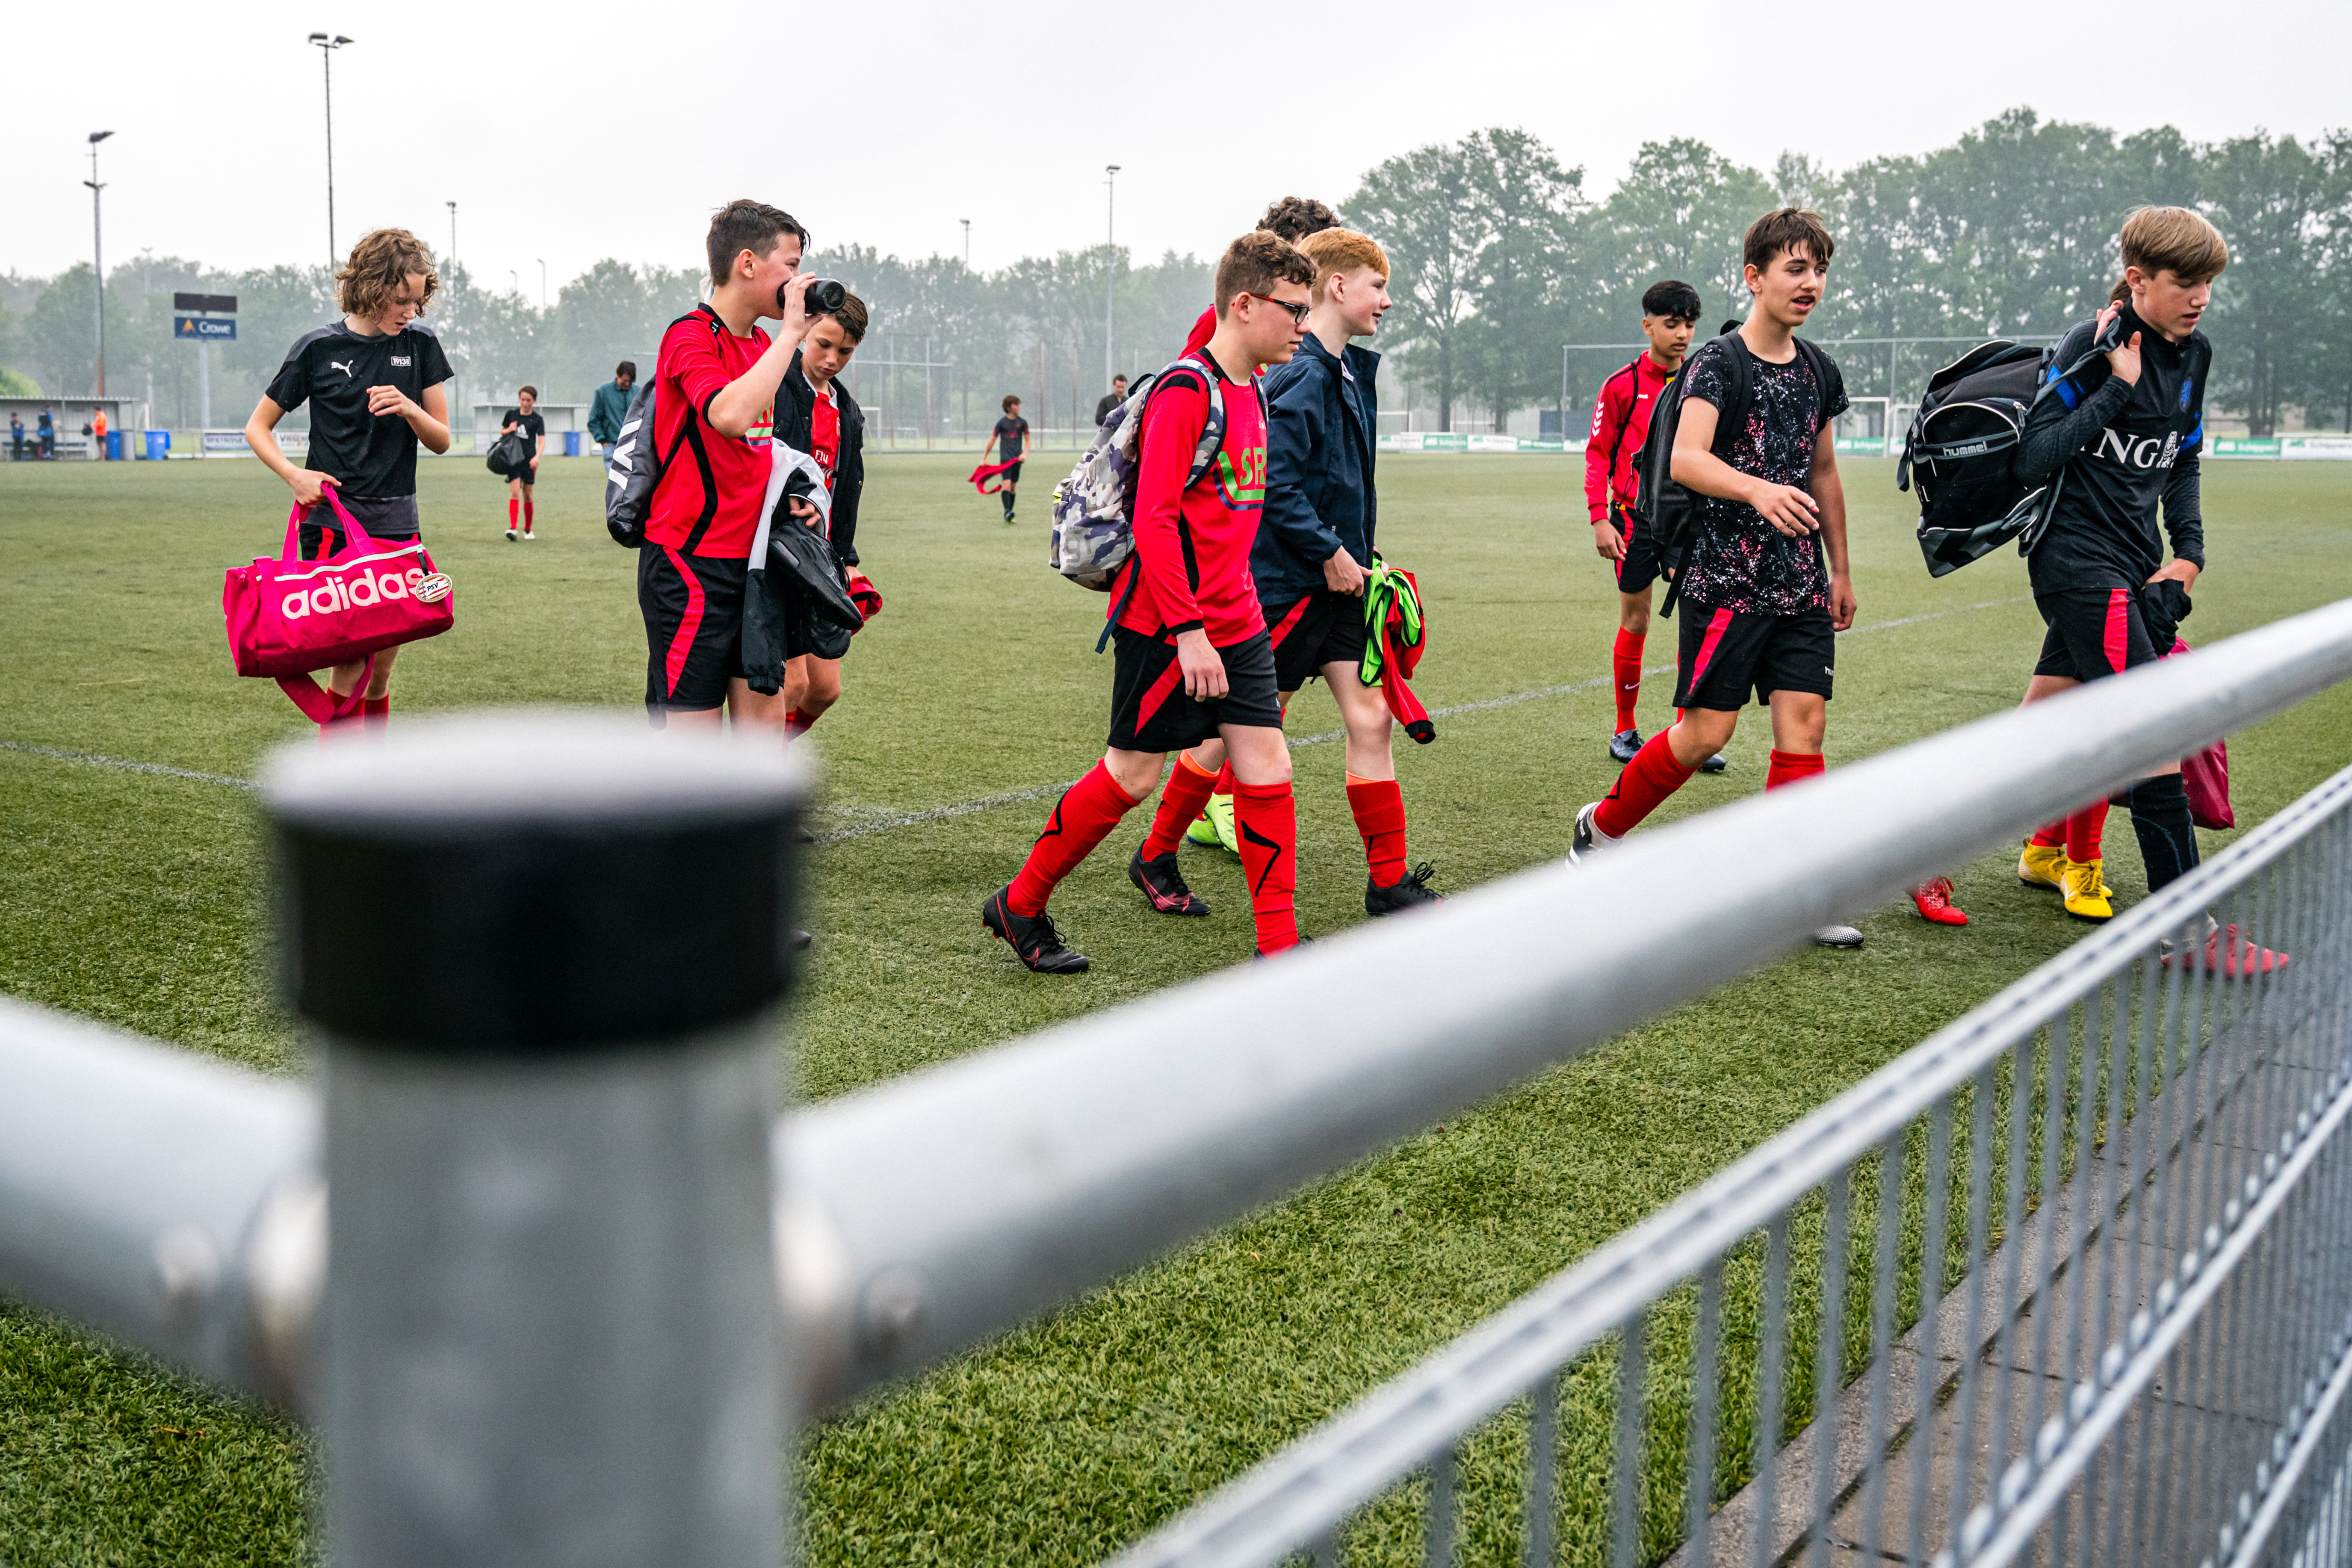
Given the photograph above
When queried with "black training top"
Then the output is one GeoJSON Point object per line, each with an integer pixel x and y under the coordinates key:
{"type": "Point", "coordinates": [332, 369]}
{"type": "Point", "coordinates": [531, 427]}
{"type": "Point", "coordinates": [2122, 449]}
{"type": "Point", "coordinates": [1734, 559]}
{"type": "Point", "coordinates": [1010, 430]}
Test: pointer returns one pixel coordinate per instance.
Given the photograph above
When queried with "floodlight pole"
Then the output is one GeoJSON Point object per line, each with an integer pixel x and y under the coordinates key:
{"type": "Point", "coordinates": [1110, 287]}
{"type": "Point", "coordinates": [457, 391]}
{"type": "Point", "coordinates": [97, 253]}
{"type": "Point", "coordinates": [967, 242]}
{"type": "Point", "coordinates": [327, 47]}
{"type": "Point", "coordinates": [542, 283]}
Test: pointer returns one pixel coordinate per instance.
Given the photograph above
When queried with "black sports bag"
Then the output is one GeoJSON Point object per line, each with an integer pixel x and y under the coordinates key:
{"type": "Point", "coordinates": [1665, 508]}
{"type": "Point", "coordinates": [509, 455]}
{"type": "Point", "coordinates": [1963, 447]}
{"type": "Point", "coordinates": [635, 469]}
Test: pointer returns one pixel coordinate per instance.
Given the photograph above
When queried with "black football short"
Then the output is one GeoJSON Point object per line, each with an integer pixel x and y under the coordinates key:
{"type": "Point", "coordinates": [1640, 567]}
{"type": "Point", "coordinates": [693, 606]}
{"type": "Point", "coordinates": [2093, 632]}
{"type": "Point", "coordinates": [1011, 475]}
{"type": "Point", "coordinates": [1322, 629]}
{"type": "Point", "coordinates": [385, 516]}
{"type": "Point", "coordinates": [1726, 654]}
{"type": "Point", "coordinates": [1148, 710]}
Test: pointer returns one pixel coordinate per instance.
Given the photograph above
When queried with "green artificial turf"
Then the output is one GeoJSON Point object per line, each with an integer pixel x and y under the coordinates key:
{"type": "Point", "coordinates": [137, 898]}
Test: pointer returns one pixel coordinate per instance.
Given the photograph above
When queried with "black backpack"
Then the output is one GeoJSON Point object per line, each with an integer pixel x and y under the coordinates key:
{"type": "Point", "coordinates": [509, 456]}
{"type": "Point", "coordinates": [1963, 447]}
{"type": "Point", "coordinates": [635, 469]}
{"type": "Point", "coordinates": [1665, 508]}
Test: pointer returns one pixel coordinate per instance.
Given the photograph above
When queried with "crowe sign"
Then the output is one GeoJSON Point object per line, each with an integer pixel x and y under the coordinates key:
{"type": "Point", "coordinates": [192, 322]}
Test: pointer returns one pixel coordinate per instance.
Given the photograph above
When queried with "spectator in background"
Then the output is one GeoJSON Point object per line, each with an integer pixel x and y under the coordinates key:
{"type": "Point", "coordinates": [15, 438]}
{"type": "Point", "coordinates": [1111, 399]}
{"type": "Point", "coordinates": [48, 433]}
{"type": "Point", "coordinates": [532, 427]}
{"type": "Point", "coordinates": [98, 449]}
{"type": "Point", "coordinates": [612, 403]}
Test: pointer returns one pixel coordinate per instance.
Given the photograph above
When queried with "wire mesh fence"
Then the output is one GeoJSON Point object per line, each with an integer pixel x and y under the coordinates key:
{"type": "Point", "coordinates": [2066, 1284]}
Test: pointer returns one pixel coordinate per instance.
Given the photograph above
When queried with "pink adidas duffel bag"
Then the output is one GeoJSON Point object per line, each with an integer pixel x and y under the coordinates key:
{"type": "Point", "coordinates": [289, 617]}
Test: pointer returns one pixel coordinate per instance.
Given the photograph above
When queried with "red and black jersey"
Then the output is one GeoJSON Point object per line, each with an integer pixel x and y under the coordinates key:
{"type": "Point", "coordinates": [825, 434]}
{"type": "Point", "coordinates": [1192, 545]}
{"type": "Point", "coordinates": [712, 486]}
{"type": "Point", "coordinates": [1620, 423]}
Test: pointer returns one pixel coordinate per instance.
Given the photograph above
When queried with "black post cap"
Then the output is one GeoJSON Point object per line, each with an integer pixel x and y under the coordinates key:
{"type": "Point", "coordinates": [534, 883]}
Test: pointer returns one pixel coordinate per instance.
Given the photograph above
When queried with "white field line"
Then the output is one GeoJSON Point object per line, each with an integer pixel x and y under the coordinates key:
{"type": "Point", "coordinates": [93, 759]}
{"type": "Point", "coordinates": [873, 820]}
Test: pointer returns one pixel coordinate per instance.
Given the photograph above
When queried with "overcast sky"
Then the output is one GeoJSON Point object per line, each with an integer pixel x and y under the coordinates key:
{"type": "Point", "coordinates": [567, 134]}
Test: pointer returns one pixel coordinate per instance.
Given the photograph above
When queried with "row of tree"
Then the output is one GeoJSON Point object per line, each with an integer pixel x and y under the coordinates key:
{"type": "Point", "coordinates": [1500, 259]}
{"type": "Point", "coordinates": [1036, 329]}
{"type": "Point", "coordinates": [2011, 231]}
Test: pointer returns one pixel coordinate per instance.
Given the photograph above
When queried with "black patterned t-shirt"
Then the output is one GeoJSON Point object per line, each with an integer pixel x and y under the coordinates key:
{"type": "Point", "coordinates": [1734, 559]}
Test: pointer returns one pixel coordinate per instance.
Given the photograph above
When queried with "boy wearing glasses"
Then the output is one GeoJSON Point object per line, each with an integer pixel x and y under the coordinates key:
{"type": "Point", "coordinates": [1193, 656]}
{"type": "Point", "coordinates": [1313, 544]}
{"type": "Point", "coordinates": [1294, 218]}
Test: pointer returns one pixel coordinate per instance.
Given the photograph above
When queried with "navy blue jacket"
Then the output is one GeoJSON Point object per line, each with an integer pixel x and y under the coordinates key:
{"type": "Point", "coordinates": [1318, 479]}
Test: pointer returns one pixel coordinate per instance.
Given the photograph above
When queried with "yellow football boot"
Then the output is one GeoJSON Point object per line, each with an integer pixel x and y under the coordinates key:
{"type": "Point", "coordinates": [2086, 893]}
{"type": "Point", "coordinates": [1214, 827]}
{"type": "Point", "coordinates": [2039, 866]}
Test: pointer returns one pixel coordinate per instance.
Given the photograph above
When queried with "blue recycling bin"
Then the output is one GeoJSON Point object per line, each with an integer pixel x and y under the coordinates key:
{"type": "Point", "coordinates": [572, 443]}
{"type": "Point", "coordinates": [114, 446]}
{"type": "Point", "coordinates": [159, 444]}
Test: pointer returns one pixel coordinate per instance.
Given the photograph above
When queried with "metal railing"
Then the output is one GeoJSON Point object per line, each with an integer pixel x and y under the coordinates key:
{"type": "Point", "coordinates": [2123, 1188]}
{"type": "Point", "coordinates": [548, 1205]}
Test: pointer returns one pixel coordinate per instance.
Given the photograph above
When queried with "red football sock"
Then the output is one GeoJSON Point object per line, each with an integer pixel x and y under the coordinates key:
{"type": "Point", "coordinates": [2082, 832]}
{"type": "Point", "coordinates": [798, 723]}
{"type": "Point", "coordinates": [1788, 767]}
{"type": "Point", "coordinates": [1267, 822]}
{"type": "Point", "coordinates": [1644, 783]}
{"type": "Point", "coordinates": [1379, 805]}
{"type": "Point", "coordinates": [1225, 779]}
{"type": "Point", "coordinates": [529, 510]}
{"type": "Point", "coordinates": [375, 712]}
{"type": "Point", "coordinates": [514, 510]}
{"type": "Point", "coordinates": [1626, 661]}
{"type": "Point", "coordinates": [2050, 835]}
{"type": "Point", "coordinates": [1180, 805]}
{"type": "Point", "coordinates": [1081, 818]}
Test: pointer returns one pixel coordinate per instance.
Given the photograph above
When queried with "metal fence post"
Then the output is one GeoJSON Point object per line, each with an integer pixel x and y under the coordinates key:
{"type": "Point", "coordinates": [540, 956]}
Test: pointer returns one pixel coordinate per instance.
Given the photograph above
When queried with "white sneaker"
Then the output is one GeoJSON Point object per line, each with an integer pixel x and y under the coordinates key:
{"type": "Point", "coordinates": [1837, 936]}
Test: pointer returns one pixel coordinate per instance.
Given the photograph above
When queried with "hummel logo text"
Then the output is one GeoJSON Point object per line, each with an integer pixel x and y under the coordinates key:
{"type": "Point", "coordinates": [400, 360]}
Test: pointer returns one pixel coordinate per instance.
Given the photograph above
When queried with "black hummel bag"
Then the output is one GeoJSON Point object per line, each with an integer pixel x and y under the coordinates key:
{"type": "Point", "coordinates": [1665, 508]}
{"type": "Point", "coordinates": [1962, 449]}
